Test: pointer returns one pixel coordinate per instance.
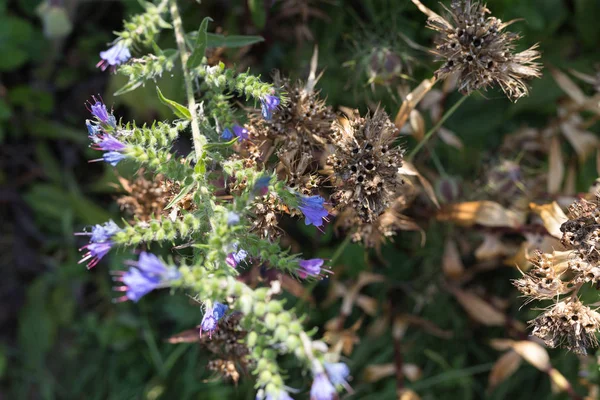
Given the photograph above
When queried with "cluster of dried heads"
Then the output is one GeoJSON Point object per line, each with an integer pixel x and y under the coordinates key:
{"type": "Point", "coordinates": [568, 322]}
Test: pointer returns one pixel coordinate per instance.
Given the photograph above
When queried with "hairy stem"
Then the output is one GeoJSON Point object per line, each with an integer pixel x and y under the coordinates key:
{"type": "Point", "coordinates": [435, 128]}
{"type": "Point", "coordinates": [198, 138]}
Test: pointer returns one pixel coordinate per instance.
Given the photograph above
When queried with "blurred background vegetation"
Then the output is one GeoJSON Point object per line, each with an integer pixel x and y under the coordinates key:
{"type": "Point", "coordinates": [62, 337]}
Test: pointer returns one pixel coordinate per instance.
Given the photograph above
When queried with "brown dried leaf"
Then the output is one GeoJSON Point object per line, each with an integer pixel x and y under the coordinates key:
{"type": "Point", "coordinates": [559, 382]}
{"type": "Point", "coordinates": [417, 125]}
{"type": "Point", "coordinates": [188, 336]}
{"type": "Point", "coordinates": [533, 353]}
{"type": "Point", "coordinates": [410, 170]}
{"type": "Point", "coordinates": [486, 213]}
{"type": "Point", "coordinates": [501, 344]}
{"type": "Point", "coordinates": [552, 216]}
{"type": "Point", "coordinates": [426, 325]}
{"type": "Point", "coordinates": [368, 304]}
{"type": "Point", "coordinates": [582, 141]}
{"type": "Point", "coordinates": [479, 309]}
{"type": "Point", "coordinates": [557, 167]}
{"type": "Point", "coordinates": [504, 367]}
{"type": "Point", "coordinates": [568, 86]}
{"type": "Point", "coordinates": [491, 248]}
{"type": "Point", "coordinates": [450, 138]}
{"type": "Point", "coordinates": [407, 394]}
{"type": "Point", "coordinates": [570, 186]}
{"type": "Point", "coordinates": [376, 372]}
{"type": "Point", "coordinates": [452, 264]}
{"type": "Point", "coordinates": [411, 101]}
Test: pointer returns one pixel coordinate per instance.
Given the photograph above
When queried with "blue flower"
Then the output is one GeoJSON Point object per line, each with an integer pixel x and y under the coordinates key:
{"type": "Point", "coordinates": [236, 257]}
{"type": "Point", "coordinates": [338, 373]}
{"type": "Point", "coordinates": [232, 218]}
{"type": "Point", "coordinates": [269, 104]}
{"type": "Point", "coordinates": [99, 110]}
{"type": "Point", "coordinates": [313, 209]}
{"type": "Point", "coordinates": [322, 389]}
{"type": "Point", "coordinates": [95, 252]}
{"type": "Point", "coordinates": [227, 134]}
{"type": "Point", "coordinates": [310, 267]}
{"type": "Point", "coordinates": [210, 321]}
{"type": "Point", "coordinates": [100, 242]}
{"type": "Point", "coordinates": [146, 275]}
{"type": "Point", "coordinates": [114, 56]}
{"type": "Point", "coordinates": [240, 132]}
{"type": "Point", "coordinates": [261, 186]}
{"type": "Point", "coordinates": [93, 130]}
{"type": "Point", "coordinates": [112, 158]}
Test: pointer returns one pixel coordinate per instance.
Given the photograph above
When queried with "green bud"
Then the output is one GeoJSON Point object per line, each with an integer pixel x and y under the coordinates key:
{"type": "Point", "coordinates": [275, 306]}
{"type": "Point", "coordinates": [292, 342]}
{"type": "Point", "coordinates": [271, 321]}
{"type": "Point", "coordinates": [259, 309]}
{"type": "Point", "coordinates": [281, 333]}
{"type": "Point", "coordinates": [295, 327]}
{"type": "Point", "coordinates": [251, 339]}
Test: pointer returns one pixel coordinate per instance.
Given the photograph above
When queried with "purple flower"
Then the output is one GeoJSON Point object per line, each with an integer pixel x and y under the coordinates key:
{"type": "Point", "coordinates": [146, 275]}
{"type": "Point", "coordinates": [268, 104]}
{"type": "Point", "coordinates": [240, 132]}
{"type": "Point", "coordinates": [338, 373]}
{"type": "Point", "coordinates": [114, 56]}
{"type": "Point", "coordinates": [310, 267]}
{"type": "Point", "coordinates": [313, 209]}
{"type": "Point", "coordinates": [211, 318]}
{"type": "Point", "coordinates": [227, 134]}
{"type": "Point", "coordinates": [93, 130]}
{"type": "Point", "coordinates": [108, 143]}
{"type": "Point", "coordinates": [99, 110]}
{"type": "Point", "coordinates": [261, 186]}
{"type": "Point", "coordinates": [322, 389]}
{"type": "Point", "coordinates": [95, 252]}
{"type": "Point", "coordinates": [100, 242]}
{"type": "Point", "coordinates": [236, 257]}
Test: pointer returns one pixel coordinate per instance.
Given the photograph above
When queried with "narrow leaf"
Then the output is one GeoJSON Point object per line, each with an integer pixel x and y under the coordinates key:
{"type": "Point", "coordinates": [180, 195]}
{"type": "Point", "coordinates": [231, 41]}
{"type": "Point", "coordinates": [178, 109]}
{"type": "Point", "coordinates": [200, 45]}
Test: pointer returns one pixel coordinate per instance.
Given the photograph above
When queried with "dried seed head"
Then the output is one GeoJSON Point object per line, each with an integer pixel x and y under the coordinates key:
{"type": "Point", "coordinates": [302, 123]}
{"type": "Point", "coordinates": [582, 231]}
{"type": "Point", "coordinates": [297, 172]}
{"type": "Point", "coordinates": [145, 198]}
{"type": "Point", "coordinates": [543, 281]}
{"type": "Point", "coordinates": [568, 324]}
{"type": "Point", "coordinates": [365, 164]}
{"type": "Point", "coordinates": [266, 210]}
{"type": "Point", "coordinates": [475, 47]}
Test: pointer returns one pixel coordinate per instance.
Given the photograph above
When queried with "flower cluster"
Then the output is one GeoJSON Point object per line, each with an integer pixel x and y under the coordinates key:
{"type": "Point", "coordinates": [100, 242]}
{"type": "Point", "coordinates": [567, 322]}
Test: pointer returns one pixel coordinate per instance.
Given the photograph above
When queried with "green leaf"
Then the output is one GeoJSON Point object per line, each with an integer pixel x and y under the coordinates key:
{"type": "Point", "coordinates": [257, 10]}
{"type": "Point", "coordinates": [178, 109]}
{"type": "Point", "coordinates": [200, 45]}
{"type": "Point", "coordinates": [180, 195]}
{"type": "Point", "coordinates": [231, 41]}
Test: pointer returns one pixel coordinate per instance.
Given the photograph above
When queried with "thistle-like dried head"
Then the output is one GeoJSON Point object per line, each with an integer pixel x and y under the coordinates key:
{"type": "Point", "coordinates": [582, 231]}
{"type": "Point", "coordinates": [568, 324]}
{"type": "Point", "coordinates": [302, 122]}
{"type": "Point", "coordinates": [296, 169]}
{"type": "Point", "coordinates": [145, 198]}
{"type": "Point", "coordinates": [365, 164]}
{"type": "Point", "coordinates": [475, 46]}
{"type": "Point", "coordinates": [543, 281]}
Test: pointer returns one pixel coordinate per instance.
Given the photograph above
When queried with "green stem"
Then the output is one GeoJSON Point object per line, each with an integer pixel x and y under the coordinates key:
{"type": "Point", "coordinates": [433, 130]}
{"type": "Point", "coordinates": [198, 138]}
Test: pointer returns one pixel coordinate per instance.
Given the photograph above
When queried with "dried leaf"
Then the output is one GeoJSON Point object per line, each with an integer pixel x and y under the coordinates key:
{"type": "Point", "coordinates": [411, 101]}
{"type": "Point", "coordinates": [479, 309]}
{"type": "Point", "coordinates": [559, 382]}
{"type": "Point", "coordinates": [428, 326]}
{"type": "Point", "coordinates": [570, 181]}
{"type": "Point", "coordinates": [501, 344]}
{"type": "Point", "coordinates": [368, 304]}
{"type": "Point", "coordinates": [452, 264]}
{"type": "Point", "coordinates": [450, 138]}
{"type": "Point", "coordinates": [491, 248]}
{"type": "Point", "coordinates": [412, 372]}
{"type": "Point", "coordinates": [417, 125]}
{"type": "Point", "coordinates": [556, 167]}
{"type": "Point", "coordinates": [407, 394]}
{"type": "Point", "coordinates": [568, 86]}
{"type": "Point", "coordinates": [410, 170]}
{"type": "Point", "coordinates": [533, 353]}
{"type": "Point", "coordinates": [504, 367]}
{"type": "Point", "coordinates": [552, 216]}
{"type": "Point", "coordinates": [486, 213]}
{"type": "Point", "coordinates": [374, 373]}
{"type": "Point", "coordinates": [582, 141]}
